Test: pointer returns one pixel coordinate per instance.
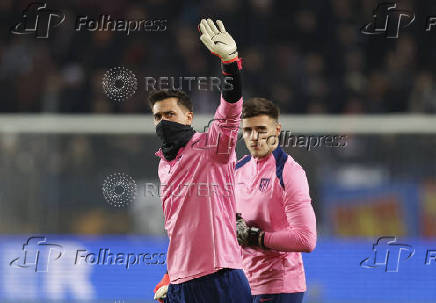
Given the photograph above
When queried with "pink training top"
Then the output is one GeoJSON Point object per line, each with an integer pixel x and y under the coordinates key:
{"type": "Point", "coordinates": [198, 201]}
{"type": "Point", "coordinates": [272, 193]}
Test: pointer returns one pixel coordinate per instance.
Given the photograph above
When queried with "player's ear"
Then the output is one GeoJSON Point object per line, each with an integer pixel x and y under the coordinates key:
{"type": "Point", "coordinates": [278, 128]}
{"type": "Point", "coordinates": [189, 117]}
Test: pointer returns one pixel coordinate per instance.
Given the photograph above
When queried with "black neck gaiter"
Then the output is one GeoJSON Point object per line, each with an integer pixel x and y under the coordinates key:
{"type": "Point", "coordinates": [173, 135]}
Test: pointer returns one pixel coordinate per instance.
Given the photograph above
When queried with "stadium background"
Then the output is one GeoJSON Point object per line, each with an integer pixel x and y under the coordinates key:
{"type": "Point", "coordinates": [60, 137]}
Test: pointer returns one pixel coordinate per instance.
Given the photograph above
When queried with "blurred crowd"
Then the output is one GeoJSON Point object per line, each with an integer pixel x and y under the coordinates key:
{"type": "Point", "coordinates": [309, 57]}
{"type": "Point", "coordinates": [53, 183]}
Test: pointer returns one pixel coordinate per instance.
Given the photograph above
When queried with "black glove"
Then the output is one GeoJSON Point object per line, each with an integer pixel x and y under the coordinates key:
{"type": "Point", "coordinates": [248, 235]}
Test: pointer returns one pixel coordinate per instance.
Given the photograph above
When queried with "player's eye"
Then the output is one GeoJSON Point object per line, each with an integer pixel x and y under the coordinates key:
{"type": "Point", "coordinates": [157, 117]}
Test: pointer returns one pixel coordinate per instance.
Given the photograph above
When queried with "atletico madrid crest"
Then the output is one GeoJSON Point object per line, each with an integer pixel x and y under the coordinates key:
{"type": "Point", "coordinates": [263, 185]}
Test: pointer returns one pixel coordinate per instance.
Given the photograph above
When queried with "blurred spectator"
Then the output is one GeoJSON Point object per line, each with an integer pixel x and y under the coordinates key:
{"type": "Point", "coordinates": [423, 97]}
{"type": "Point", "coordinates": [308, 57]}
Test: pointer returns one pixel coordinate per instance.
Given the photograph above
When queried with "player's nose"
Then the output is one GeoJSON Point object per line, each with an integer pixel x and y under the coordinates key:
{"type": "Point", "coordinates": [254, 136]}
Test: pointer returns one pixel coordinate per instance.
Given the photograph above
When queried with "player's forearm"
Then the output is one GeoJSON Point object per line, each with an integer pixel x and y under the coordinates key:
{"type": "Point", "coordinates": [292, 241]}
{"type": "Point", "coordinates": [231, 88]}
{"type": "Point", "coordinates": [220, 43]}
{"type": "Point", "coordinates": [299, 237]}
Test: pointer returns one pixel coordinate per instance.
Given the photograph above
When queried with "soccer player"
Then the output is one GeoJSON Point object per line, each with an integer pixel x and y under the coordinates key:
{"type": "Point", "coordinates": [203, 260]}
{"type": "Point", "coordinates": [276, 221]}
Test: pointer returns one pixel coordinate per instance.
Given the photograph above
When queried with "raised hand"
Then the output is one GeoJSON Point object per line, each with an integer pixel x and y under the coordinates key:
{"type": "Point", "coordinates": [218, 40]}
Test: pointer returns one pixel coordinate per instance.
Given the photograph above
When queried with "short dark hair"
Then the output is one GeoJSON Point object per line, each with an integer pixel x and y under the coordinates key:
{"type": "Point", "coordinates": [159, 95]}
{"type": "Point", "coordinates": [260, 106]}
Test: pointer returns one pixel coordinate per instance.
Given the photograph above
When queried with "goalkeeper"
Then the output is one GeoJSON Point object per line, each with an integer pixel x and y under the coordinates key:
{"type": "Point", "coordinates": [204, 260]}
{"type": "Point", "coordinates": [277, 221]}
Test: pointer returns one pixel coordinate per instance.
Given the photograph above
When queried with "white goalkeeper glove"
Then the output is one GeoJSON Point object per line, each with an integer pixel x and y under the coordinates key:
{"type": "Point", "coordinates": [161, 289]}
{"type": "Point", "coordinates": [161, 293]}
{"type": "Point", "coordinates": [217, 40]}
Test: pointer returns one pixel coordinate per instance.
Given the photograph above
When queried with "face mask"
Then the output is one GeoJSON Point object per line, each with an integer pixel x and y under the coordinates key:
{"type": "Point", "coordinates": [173, 136]}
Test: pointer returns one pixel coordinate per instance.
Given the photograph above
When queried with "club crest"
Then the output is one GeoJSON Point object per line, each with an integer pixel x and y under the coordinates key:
{"type": "Point", "coordinates": [264, 183]}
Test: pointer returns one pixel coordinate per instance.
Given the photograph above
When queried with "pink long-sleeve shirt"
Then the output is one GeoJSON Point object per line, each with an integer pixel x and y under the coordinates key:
{"type": "Point", "coordinates": [272, 193]}
{"type": "Point", "coordinates": [198, 202]}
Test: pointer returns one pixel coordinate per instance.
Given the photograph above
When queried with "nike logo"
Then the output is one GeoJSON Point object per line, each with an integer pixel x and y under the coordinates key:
{"type": "Point", "coordinates": [265, 299]}
{"type": "Point", "coordinates": [216, 42]}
